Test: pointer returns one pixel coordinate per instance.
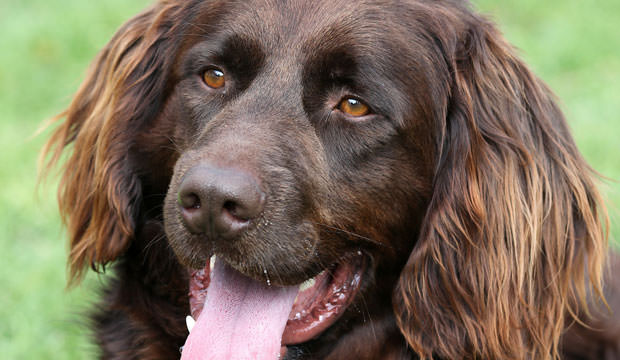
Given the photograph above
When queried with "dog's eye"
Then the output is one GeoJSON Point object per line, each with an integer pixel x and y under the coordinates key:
{"type": "Point", "coordinates": [353, 107]}
{"type": "Point", "coordinates": [214, 78]}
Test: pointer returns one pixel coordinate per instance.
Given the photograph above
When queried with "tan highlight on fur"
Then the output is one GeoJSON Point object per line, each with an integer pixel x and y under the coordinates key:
{"type": "Point", "coordinates": [515, 221]}
{"type": "Point", "coordinates": [92, 193]}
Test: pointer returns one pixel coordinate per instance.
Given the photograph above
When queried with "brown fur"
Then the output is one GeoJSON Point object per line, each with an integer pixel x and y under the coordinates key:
{"type": "Point", "coordinates": [483, 228]}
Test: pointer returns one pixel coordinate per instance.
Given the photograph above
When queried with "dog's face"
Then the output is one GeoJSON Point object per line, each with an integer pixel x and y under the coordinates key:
{"type": "Point", "coordinates": [295, 150]}
{"type": "Point", "coordinates": [313, 114]}
{"type": "Point", "coordinates": [380, 177]}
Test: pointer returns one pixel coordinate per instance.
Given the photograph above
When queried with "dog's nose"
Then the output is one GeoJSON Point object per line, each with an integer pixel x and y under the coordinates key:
{"type": "Point", "coordinates": [219, 201]}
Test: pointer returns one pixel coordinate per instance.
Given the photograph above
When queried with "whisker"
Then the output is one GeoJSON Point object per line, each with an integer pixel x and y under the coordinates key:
{"type": "Point", "coordinates": [155, 213]}
{"type": "Point", "coordinates": [365, 312]}
{"type": "Point", "coordinates": [350, 233]}
{"type": "Point", "coordinates": [152, 243]}
{"type": "Point", "coordinates": [174, 146]}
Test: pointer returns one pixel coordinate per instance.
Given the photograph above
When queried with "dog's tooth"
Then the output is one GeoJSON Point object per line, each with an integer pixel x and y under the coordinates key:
{"type": "Point", "coordinates": [307, 284]}
{"type": "Point", "coordinates": [267, 277]}
{"type": "Point", "coordinates": [212, 262]}
{"type": "Point", "coordinates": [190, 322]}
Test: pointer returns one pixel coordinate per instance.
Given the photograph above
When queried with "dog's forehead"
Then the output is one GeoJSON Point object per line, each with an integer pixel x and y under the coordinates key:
{"type": "Point", "coordinates": [302, 26]}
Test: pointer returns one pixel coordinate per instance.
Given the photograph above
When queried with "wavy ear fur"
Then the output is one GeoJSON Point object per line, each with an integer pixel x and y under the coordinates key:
{"type": "Point", "coordinates": [514, 224]}
{"type": "Point", "coordinates": [99, 192]}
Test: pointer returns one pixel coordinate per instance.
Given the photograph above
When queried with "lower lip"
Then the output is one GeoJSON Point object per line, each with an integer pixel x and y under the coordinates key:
{"type": "Point", "coordinates": [337, 291]}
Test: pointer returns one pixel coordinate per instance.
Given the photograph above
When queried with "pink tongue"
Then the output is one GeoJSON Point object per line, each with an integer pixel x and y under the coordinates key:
{"type": "Point", "coordinates": [242, 318]}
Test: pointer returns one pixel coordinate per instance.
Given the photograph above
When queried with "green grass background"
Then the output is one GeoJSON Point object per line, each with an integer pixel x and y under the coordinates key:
{"type": "Point", "coordinates": [46, 45]}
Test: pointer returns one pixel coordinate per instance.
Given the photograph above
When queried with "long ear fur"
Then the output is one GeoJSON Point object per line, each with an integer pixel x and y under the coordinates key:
{"type": "Point", "coordinates": [100, 193]}
{"type": "Point", "coordinates": [515, 222]}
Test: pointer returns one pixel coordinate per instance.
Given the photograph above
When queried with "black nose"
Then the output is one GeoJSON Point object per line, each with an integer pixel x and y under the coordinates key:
{"type": "Point", "coordinates": [219, 201]}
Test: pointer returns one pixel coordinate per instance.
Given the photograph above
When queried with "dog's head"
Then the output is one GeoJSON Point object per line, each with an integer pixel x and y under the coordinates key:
{"type": "Point", "coordinates": [397, 154]}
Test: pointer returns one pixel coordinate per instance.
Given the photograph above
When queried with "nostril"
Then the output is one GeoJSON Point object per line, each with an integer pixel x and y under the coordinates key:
{"type": "Point", "coordinates": [231, 206]}
{"type": "Point", "coordinates": [233, 209]}
{"type": "Point", "coordinates": [192, 211]}
{"type": "Point", "coordinates": [189, 201]}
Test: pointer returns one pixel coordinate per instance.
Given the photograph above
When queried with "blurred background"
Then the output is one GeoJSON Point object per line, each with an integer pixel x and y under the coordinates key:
{"type": "Point", "coordinates": [46, 46]}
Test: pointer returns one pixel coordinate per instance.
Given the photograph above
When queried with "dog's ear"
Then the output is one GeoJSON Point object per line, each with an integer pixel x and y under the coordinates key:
{"type": "Point", "coordinates": [515, 233]}
{"type": "Point", "coordinates": [99, 192]}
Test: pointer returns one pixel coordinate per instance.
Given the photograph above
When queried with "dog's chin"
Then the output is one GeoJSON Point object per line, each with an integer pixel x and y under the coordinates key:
{"type": "Point", "coordinates": [302, 312]}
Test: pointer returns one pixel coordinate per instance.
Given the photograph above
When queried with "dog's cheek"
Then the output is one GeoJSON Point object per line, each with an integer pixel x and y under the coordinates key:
{"type": "Point", "coordinates": [158, 146]}
{"type": "Point", "coordinates": [381, 198]}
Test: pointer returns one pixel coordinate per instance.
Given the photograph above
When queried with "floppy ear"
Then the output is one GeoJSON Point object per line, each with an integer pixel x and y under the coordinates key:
{"type": "Point", "coordinates": [514, 224]}
{"type": "Point", "coordinates": [100, 193]}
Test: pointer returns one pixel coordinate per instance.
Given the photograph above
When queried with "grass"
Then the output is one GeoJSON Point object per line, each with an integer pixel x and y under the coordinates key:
{"type": "Point", "coordinates": [46, 46]}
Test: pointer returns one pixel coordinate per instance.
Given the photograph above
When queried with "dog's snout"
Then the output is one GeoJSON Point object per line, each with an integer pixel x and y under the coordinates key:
{"type": "Point", "coordinates": [219, 201]}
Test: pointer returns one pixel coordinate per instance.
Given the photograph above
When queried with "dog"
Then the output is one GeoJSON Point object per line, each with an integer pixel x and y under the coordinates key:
{"type": "Point", "coordinates": [330, 180]}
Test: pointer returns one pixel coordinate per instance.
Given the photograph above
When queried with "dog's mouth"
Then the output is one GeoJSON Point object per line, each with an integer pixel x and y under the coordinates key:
{"type": "Point", "coordinates": [242, 318]}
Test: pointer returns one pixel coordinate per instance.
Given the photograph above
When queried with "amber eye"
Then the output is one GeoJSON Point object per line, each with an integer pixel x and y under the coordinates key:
{"type": "Point", "coordinates": [353, 107]}
{"type": "Point", "coordinates": [214, 78]}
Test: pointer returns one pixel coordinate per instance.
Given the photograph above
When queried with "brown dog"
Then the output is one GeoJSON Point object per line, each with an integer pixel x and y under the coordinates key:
{"type": "Point", "coordinates": [393, 157]}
